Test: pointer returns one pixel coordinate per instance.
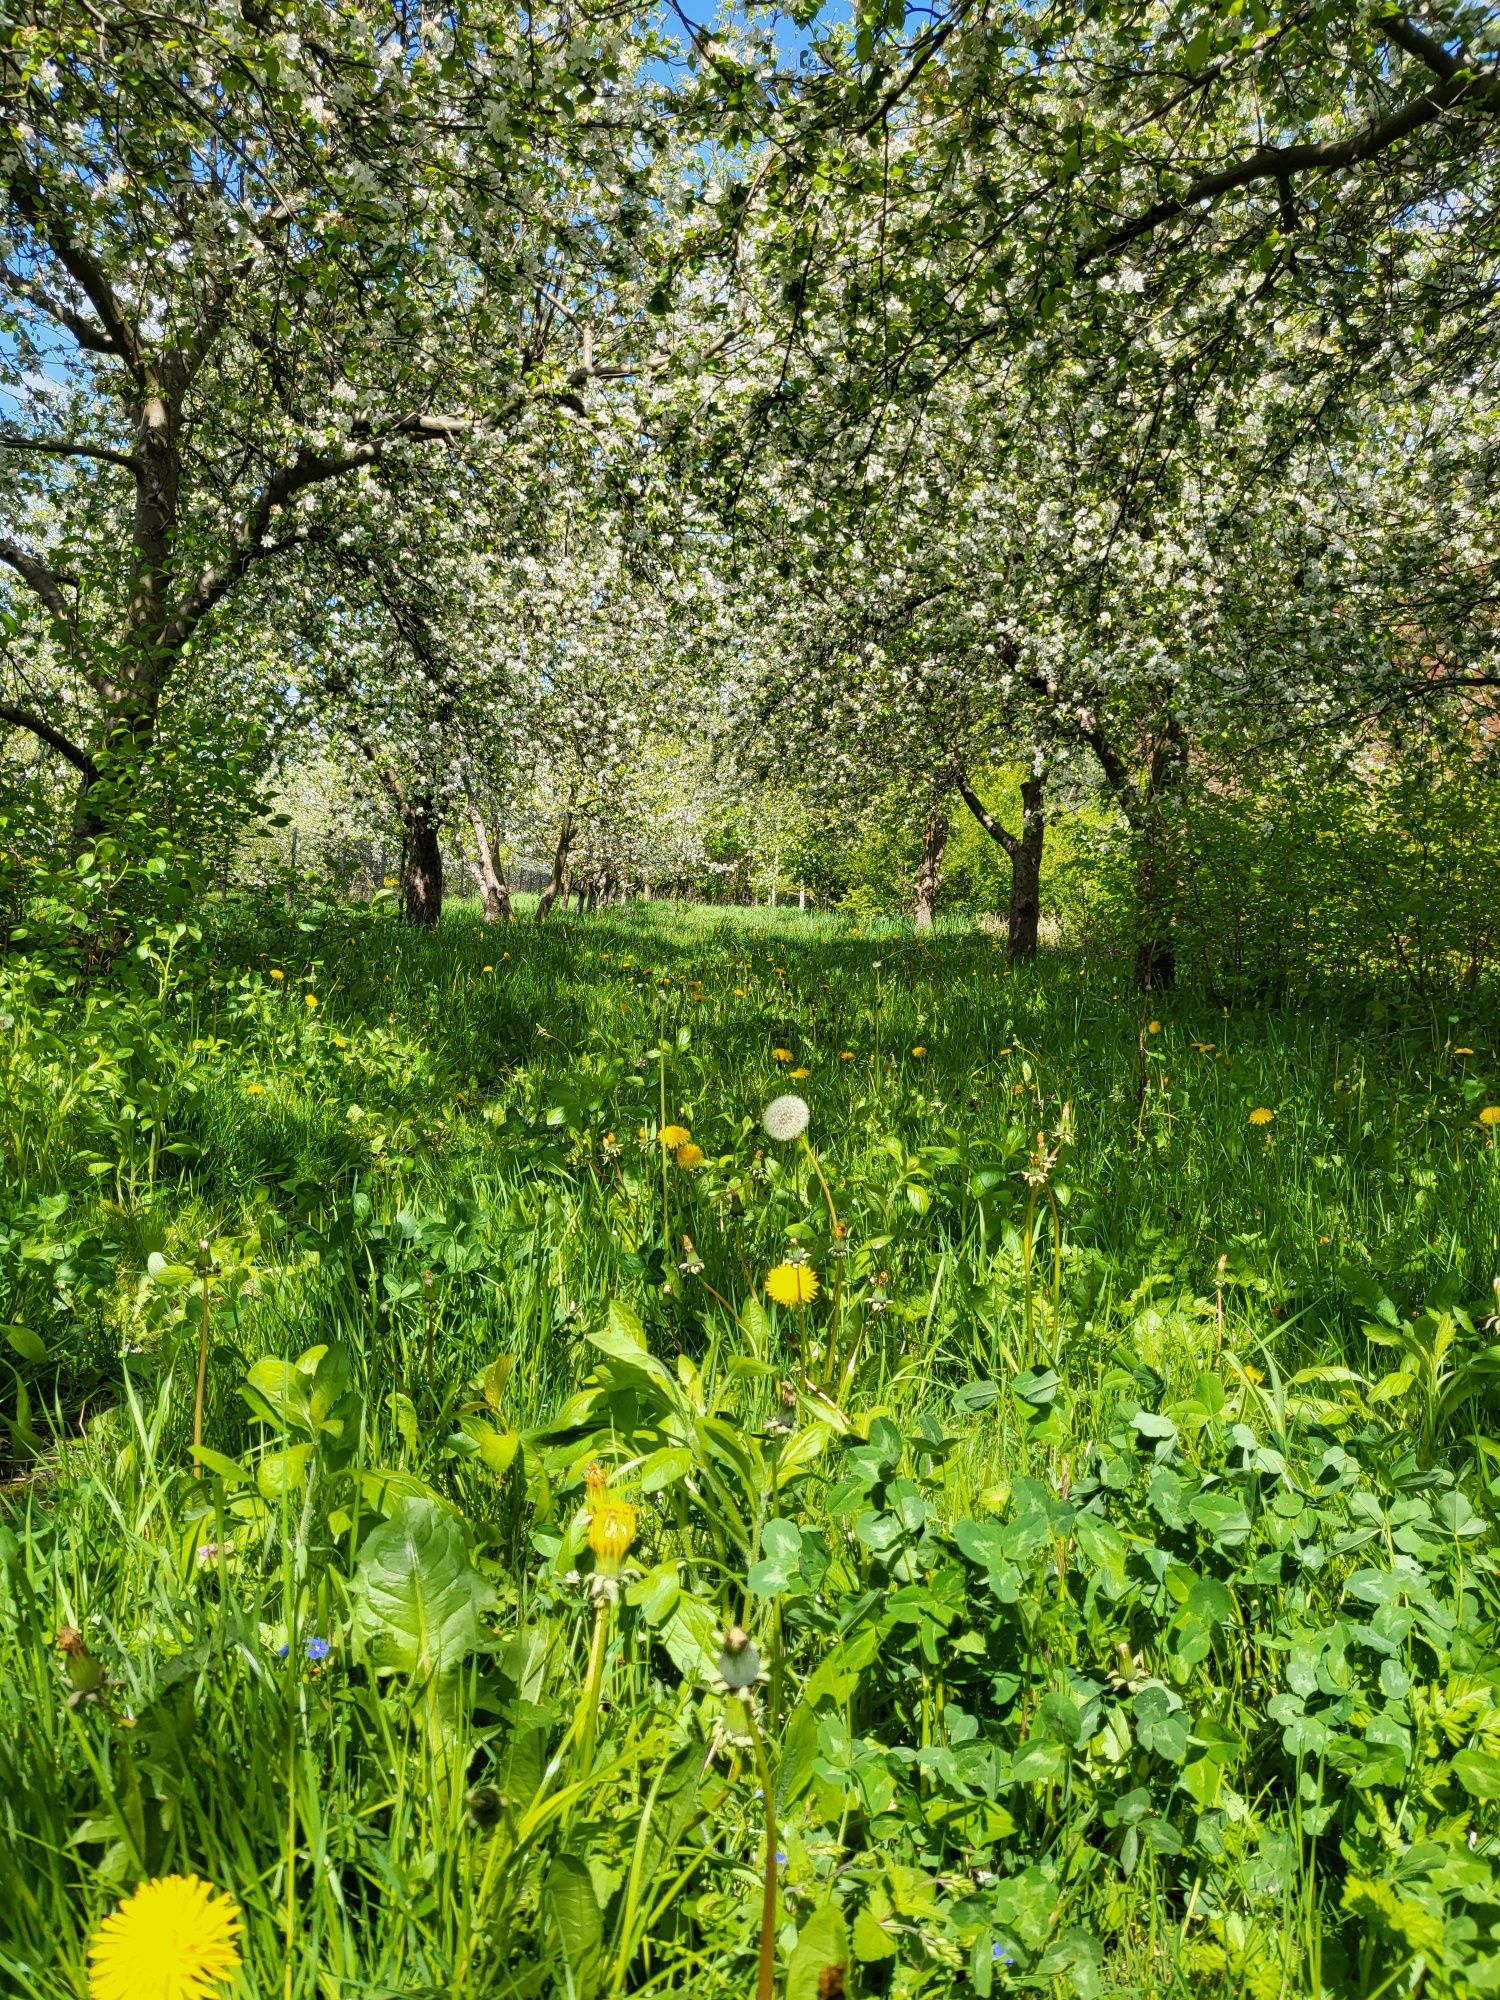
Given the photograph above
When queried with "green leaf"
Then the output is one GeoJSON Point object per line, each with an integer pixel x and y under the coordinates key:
{"type": "Point", "coordinates": [418, 1600]}
{"type": "Point", "coordinates": [622, 1340]}
{"type": "Point", "coordinates": [1039, 1763]}
{"type": "Point", "coordinates": [872, 1941]}
{"type": "Point", "coordinates": [574, 1909]}
{"type": "Point", "coordinates": [664, 1468]}
{"type": "Point", "coordinates": [27, 1344]}
{"type": "Point", "coordinates": [781, 1558]}
{"type": "Point", "coordinates": [823, 1942]}
{"type": "Point", "coordinates": [281, 1473]}
{"type": "Point", "coordinates": [1479, 1773]}
{"type": "Point", "coordinates": [228, 1469]}
{"type": "Point", "coordinates": [404, 1411]}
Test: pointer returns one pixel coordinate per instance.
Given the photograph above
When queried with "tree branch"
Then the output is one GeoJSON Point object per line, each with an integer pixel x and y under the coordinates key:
{"type": "Point", "coordinates": [23, 718]}
{"type": "Point", "coordinates": [1460, 85]}
{"type": "Point", "coordinates": [70, 448]}
{"type": "Point", "coordinates": [309, 468]}
{"type": "Point", "coordinates": [306, 469]}
{"type": "Point", "coordinates": [986, 819]}
{"type": "Point", "coordinates": [83, 330]}
{"type": "Point", "coordinates": [30, 202]}
{"type": "Point", "coordinates": [46, 583]}
{"type": "Point", "coordinates": [190, 357]}
{"type": "Point", "coordinates": [1428, 51]}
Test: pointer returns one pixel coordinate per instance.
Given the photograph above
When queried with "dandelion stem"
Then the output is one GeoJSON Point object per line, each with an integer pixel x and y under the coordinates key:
{"type": "Point", "coordinates": [1028, 1228]}
{"type": "Point", "coordinates": [291, 1834]}
{"type": "Point", "coordinates": [765, 1985]}
{"type": "Point", "coordinates": [200, 1393]}
{"type": "Point", "coordinates": [661, 1078]}
{"type": "Point", "coordinates": [1056, 1266]}
{"type": "Point", "coordinates": [588, 1713]}
{"type": "Point", "coordinates": [833, 1214]}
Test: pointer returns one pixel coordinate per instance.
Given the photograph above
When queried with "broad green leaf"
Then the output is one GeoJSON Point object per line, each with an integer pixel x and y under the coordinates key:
{"type": "Point", "coordinates": [872, 1941]}
{"type": "Point", "coordinates": [418, 1600]}
{"type": "Point", "coordinates": [822, 1943]}
{"type": "Point", "coordinates": [281, 1473]}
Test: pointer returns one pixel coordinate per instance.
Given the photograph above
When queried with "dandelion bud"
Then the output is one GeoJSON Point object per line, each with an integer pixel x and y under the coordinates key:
{"type": "Point", "coordinates": [739, 1662]}
{"type": "Point", "coordinates": [611, 1532]}
{"type": "Point", "coordinates": [484, 1805]}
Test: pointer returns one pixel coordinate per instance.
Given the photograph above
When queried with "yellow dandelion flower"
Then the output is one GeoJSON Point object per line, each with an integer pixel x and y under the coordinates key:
{"type": "Point", "coordinates": [1153, 1027]}
{"type": "Point", "coordinates": [596, 1478]}
{"type": "Point", "coordinates": [309, 999]}
{"type": "Point", "coordinates": [1204, 1048]}
{"type": "Point", "coordinates": [255, 1090]}
{"type": "Point", "coordinates": [1463, 1052]}
{"type": "Point", "coordinates": [690, 1155]}
{"type": "Point", "coordinates": [1490, 1115]}
{"type": "Point", "coordinates": [846, 1055]}
{"type": "Point", "coordinates": [800, 1072]}
{"type": "Point", "coordinates": [277, 974]}
{"type": "Point", "coordinates": [1261, 1116]}
{"type": "Point", "coordinates": [486, 968]}
{"type": "Point", "coordinates": [673, 1136]}
{"type": "Point", "coordinates": [1252, 1373]}
{"type": "Point", "coordinates": [782, 1055]}
{"type": "Point", "coordinates": [919, 1050]}
{"type": "Point", "coordinates": [338, 1041]}
{"type": "Point", "coordinates": [792, 1284]}
{"type": "Point", "coordinates": [611, 1532]}
{"type": "Point", "coordinates": [175, 1939]}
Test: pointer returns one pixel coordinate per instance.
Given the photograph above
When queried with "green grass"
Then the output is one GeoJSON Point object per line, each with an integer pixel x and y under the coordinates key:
{"type": "Point", "coordinates": [1114, 1532]}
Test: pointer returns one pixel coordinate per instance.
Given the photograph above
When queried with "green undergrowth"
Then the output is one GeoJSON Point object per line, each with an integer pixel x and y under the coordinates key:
{"type": "Point", "coordinates": [1112, 1535]}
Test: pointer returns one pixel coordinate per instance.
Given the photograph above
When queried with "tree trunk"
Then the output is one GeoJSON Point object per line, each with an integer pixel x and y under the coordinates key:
{"type": "Point", "coordinates": [1155, 954]}
{"type": "Point", "coordinates": [930, 869]}
{"type": "Point", "coordinates": [1025, 913]}
{"type": "Point", "coordinates": [422, 869]}
{"type": "Point", "coordinates": [558, 883]}
{"type": "Point", "coordinates": [1155, 958]}
{"type": "Point", "coordinates": [492, 880]}
{"type": "Point", "coordinates": [1025, 855]}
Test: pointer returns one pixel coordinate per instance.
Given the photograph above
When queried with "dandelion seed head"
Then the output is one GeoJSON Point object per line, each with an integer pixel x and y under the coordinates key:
{"type": "Point", "coordinates": [785, 1118]}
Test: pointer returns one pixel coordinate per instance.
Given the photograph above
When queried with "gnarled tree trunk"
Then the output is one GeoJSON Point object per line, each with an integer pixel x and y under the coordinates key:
{"type": "Point", "coordinates": [930, 868]}
{"type": "Point", "coordinates": [422, 871]}
{"type": "Point", "coordinates": [497, 907]}
{"type": "Point", "coordinates": [1024, 852]}
{"type": "Point", "coordinates": [558, 883]}
{"type": "Point", "coordinates": [1025, 914]}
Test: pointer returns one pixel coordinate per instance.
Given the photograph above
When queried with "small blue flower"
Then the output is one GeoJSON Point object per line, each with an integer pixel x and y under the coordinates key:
{"type": "Point", "coordinates": [318, 1649]}
{"type": "Point", "coordinates": [1000, 1955]}
{"type": "Point", "coordinates": [780, 1858]}
{"type": "Point", "coordinates": [282, 1650]}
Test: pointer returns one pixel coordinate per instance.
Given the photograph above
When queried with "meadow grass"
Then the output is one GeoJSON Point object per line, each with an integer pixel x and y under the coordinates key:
{"type": "Point", "coordinates": [1109, 1399]}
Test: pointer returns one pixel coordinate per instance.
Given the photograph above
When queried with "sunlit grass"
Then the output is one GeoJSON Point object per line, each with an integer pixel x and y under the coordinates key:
{"type": "Point", "coordinates": [452, 1158]}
